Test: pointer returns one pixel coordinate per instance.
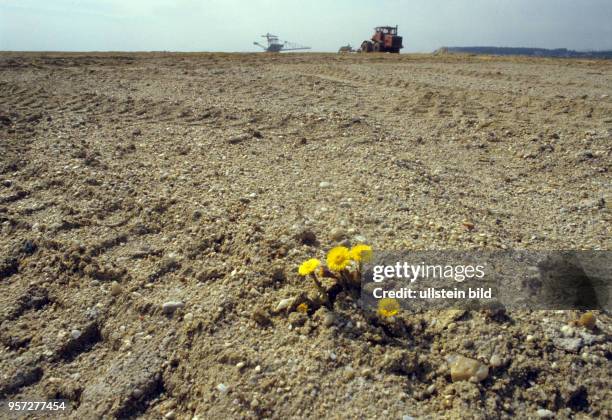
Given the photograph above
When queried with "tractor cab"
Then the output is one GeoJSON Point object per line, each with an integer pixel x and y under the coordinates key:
{"type": "Point", "coordinates": [387, 30]}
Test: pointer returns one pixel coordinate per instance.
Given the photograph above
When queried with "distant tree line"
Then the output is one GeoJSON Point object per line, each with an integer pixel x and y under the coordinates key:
{"type": "Point", "coordinates": [536, 52]}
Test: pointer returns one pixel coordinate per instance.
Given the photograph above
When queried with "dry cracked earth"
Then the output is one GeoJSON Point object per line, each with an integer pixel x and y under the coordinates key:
{"type": "Point", "coordinates": [154, 209]}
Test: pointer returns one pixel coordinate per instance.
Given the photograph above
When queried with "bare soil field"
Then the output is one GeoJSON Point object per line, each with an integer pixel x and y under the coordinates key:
{"type": "Point", "coordinates": [154, 209]}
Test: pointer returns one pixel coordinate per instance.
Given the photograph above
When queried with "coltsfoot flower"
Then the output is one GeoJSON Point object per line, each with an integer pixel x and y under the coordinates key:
{"type": "Point", "coordinates": [309, 267]}
{"type": "Point", "coordinates": [388, 307]}
{"type": "Point", "coordinates": [361, 252]}
{"type": "Point", "coordinates": [338, 258]}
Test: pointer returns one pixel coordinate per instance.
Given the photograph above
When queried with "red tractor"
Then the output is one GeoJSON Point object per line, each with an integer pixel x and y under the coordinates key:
{"type": "Point", "coordinates": [385, 39]}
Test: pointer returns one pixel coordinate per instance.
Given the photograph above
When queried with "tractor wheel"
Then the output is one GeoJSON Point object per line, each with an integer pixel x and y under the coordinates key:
{"type": "Point", "coordinates": [366, 47]}
{"type": "Point", "coordinates": [376, 47]}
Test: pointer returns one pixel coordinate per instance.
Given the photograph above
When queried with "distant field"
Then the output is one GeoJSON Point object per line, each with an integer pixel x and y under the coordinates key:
{"type": "Point", "coordinates": [535, 52]}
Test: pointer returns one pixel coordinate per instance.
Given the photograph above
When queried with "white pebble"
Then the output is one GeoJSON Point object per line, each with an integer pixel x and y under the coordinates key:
{"type": "Point", "coordinates": [115, 289]}
{"type": "Point", "coordinates": [285, 303]}
{"type": "Point", "coordinates": [495, 361]}
{"type": "Point", "coordinates": [567, 331]}
{"type": "Point", "coordinates": [170, 307]}
{"type": "Point", "coordinates": [545, 414]}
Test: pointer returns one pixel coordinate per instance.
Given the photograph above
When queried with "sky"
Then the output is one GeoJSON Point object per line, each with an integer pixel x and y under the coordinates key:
{"type": "Point", "coordinates": [325, 25]}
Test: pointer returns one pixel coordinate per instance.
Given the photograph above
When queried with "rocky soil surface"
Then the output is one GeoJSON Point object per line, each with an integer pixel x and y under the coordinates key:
{"type": "Point", "coordinates": [154, 209]}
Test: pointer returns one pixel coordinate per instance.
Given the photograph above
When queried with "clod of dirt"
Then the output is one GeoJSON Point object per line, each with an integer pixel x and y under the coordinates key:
{"type": "Point", "coordinates": [21, 377]}
{"type": "Point", "coordinates": [571, 345]}
{"type": "Point", "coordinates": [306, 236]}
{"type": "Point", "coordinates": [118, 395]}
{"type": "Point", "coordinates": [238, 139]}
{"type": "Point", "coordinates": [400, 362]}
{"type": "Point", "coordinates": [261, 317]}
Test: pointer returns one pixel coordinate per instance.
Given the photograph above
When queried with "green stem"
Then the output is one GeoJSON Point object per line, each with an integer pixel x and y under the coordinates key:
{"type": "Point", "coordinates": [320, 288]}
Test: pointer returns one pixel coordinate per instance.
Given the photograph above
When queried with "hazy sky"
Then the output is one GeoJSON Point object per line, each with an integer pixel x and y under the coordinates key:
{"type": "Point", "coordinates": [233, 25]}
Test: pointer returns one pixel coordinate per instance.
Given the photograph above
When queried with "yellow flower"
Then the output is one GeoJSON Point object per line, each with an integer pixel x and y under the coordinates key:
{"type": "Point", "coordinates": [361, 252]}
{"type": "Point", "coordinates": [302, 308]}
{"type": "Point", "coordinates": [309, 266]}
{"type": "Point", "coordinates": [388, 307]}
{"type": "Point", "coordinates": [338, 258]}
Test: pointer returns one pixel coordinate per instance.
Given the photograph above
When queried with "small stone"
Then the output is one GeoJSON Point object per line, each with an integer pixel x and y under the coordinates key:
{"type": "Point", "coordinates": [188, 317]}
{"type": "Point", "coordinates": [258, 368]}
{"type": "Point", "coordinates": [222, 388]}
{"type": "Point", "coordinates": [567, 331]}
{"type": "Point", "coordinates": [172, 306]}
{"type": "Point", "coordinates": [463, 369]}
{"type": "Point", "coordinates": [588, 320]}
{"type": "Point", "coordinates": [328, 319]}
{"type": "Point", "coordinates": [284, 304]}
{"type": "Point", "coordinates": [75, 334]}
{"type": "Point", "coordinates": [337, 234]}
{"type": "Point", "coordinates": [468, 225]}
{"type": "Point", "coordinates": [115, 289]}
{"type": "Point", "coordinates": [170, 415]}
{"type": "Point", "coordinates": [324, 184]}
{"type": "Point", "coordinates": [529, 338]}
{"type": "Point", "coordinates": [545, 414]}
{"type": "Point", "coordinates": [240, 365]}
{"type": "Point", "coordinates": [495, 361]}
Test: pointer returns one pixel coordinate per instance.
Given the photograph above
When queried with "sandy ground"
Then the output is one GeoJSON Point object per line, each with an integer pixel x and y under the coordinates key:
{"type": "Point", "coordinates": [132, 180]}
